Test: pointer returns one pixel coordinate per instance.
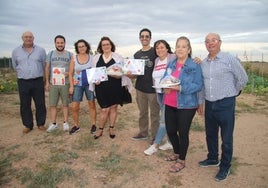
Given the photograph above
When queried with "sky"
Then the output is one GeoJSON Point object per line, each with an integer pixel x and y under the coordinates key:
{"type": "Point", "coordinates": [242, 24]}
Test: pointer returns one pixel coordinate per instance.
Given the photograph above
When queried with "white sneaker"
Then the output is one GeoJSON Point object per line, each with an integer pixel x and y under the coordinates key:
{"type": "Point", "coordinates": [166, 146]}
{"type": "Point", "coordinates": [52, 127]}
{"type": "Point", "coordinates": [151, 150]}
{"type": "Point", "coordinates": [65, 126]}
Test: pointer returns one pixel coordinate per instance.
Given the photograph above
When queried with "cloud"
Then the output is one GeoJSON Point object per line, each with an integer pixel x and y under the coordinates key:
{"type": "Point", "coordinates": [238, 22]}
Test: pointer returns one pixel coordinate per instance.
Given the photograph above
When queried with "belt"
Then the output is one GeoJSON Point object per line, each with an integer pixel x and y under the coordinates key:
{"type": "Point", "coordinates": [31, 79]}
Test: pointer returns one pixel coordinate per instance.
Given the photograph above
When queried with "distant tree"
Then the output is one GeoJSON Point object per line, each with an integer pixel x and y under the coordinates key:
{"type": "Point", "coordinates": [5, 62]}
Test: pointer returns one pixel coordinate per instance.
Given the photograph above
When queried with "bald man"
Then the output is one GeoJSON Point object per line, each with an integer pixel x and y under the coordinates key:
{"type": "Point", "coordinates": [28, 61]}
{"type": "Point", "coordinates": [224, 78]}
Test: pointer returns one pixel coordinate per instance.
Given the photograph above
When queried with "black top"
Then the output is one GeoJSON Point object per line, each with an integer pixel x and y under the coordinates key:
{"type": "Point", "coordinates": [108, 92]}
{"type": "Point", "coordinates": [144, 82]}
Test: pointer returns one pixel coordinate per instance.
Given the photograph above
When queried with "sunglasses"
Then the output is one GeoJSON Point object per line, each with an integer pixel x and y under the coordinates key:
{"type": "Point", "coordinates": [145, 36]}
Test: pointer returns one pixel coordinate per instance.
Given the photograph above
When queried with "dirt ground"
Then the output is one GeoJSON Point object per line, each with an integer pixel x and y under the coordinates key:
{"type": "Point", "coordinates": [131, 167]}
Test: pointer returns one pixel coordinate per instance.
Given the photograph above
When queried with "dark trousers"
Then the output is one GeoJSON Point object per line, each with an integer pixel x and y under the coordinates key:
{"type": "Point", "coordinates": [178, 123]}
{"type": "Point", "coordinates": [220, 115]}
{"type": "Point", "coordinates": [28, 90]}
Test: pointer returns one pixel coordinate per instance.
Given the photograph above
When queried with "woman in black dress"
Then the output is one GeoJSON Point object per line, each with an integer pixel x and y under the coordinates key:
{"type": "Point", "coordinates": [109, 93]}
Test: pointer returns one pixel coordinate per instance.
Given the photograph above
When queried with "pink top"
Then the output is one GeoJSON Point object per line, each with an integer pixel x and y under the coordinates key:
{"type": "Point", "coordinates": [171, 98]}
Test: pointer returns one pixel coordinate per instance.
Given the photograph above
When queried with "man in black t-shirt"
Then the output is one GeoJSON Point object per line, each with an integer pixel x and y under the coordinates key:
{"type": "Point", "coordinates": [145, 93]}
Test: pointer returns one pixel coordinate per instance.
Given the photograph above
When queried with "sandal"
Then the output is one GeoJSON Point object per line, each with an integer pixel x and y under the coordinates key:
{"type": "Point", "coordinates": [172, 157]}
{"type": "Point", "coordinates": [111, 135]}
{"type": "Point", "coordinates": [178, 166]}
{"type": "Point", "coordinates": [96, 136]}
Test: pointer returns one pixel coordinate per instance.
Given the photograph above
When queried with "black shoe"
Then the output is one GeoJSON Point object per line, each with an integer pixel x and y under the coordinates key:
{"type": "Point", "coordinates": [99, 135]}
{"type": "Point", "coordinates": [93, 129]}
{"type": "Point", "coordinates": [112, 136]}
{"type": "Point", "coordinates": [74, 129]}
{"type": "Point", "coordinates": [222, 174]}
{"type": "Point", "coordinates": [209, 162]}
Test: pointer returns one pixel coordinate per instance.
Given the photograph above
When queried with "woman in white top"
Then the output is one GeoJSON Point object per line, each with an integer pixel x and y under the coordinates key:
{"type": "Point", "coordinates": [165, 55]}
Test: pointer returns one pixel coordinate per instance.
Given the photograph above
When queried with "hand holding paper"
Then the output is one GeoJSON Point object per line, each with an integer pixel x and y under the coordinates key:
{"type": "Point", "coordinates": [134, 66]}
{"type": "Point", "coordinates": [97, 74]}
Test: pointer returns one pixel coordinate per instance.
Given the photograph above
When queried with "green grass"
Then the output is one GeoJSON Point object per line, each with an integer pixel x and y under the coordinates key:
{"type": "Point", "coordinates": [243, 107]}
{"type": "Point", "coordinates": [111, 162]}
{"type": "Point", "coordinates": [48, 176]}
{"type": "Point", "coordinates": [197, 126]}
{"type": "Point", "coordinates": [63, 156]}
{"type": "Point", "coordinates": [84, 143]}
{"type": "Point", "coordinates": [235, 165]}
{"type": "Point", "coordinates": [115, 164]}
{"type": "Point", "coordinates": [5, 169]}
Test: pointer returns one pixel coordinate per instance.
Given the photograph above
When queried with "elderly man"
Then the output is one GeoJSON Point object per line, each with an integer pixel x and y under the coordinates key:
{"type": "Point", "coordinates": [28, 60]}
{"type": "Point", "coordinates": [224, 78]}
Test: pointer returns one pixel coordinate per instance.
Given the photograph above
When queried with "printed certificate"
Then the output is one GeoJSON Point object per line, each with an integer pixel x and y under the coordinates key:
{"type": "Point", "coordinates": [134, 66]}
{"type": "Point", "coordinates": [58, 77]}
{"type": "Point", "coordinates": [97, 74]}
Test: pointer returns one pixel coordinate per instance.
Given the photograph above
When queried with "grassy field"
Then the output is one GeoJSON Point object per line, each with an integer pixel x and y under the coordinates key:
{"type": "Point", "coordinates": [260, 68]}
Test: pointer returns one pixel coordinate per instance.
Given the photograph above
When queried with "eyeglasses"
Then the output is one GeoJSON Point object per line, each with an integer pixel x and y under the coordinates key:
{"type": "Point", "coordinates": [107, 44]}
{"type": "Point", "coordinates": [145, 36]}
{"type": "Point", "coordinates": [29, 37]}
{"type": "Point", "coordinates": [212, 41]}
{"type": "Point", "coordinates": [81, 46]}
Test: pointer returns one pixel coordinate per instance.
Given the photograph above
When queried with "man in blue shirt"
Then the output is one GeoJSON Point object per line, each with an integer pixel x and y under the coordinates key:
{"type": "Point", "coordinates": [224, 78]}
{"type": "Point", "coordinates": [28, 60]}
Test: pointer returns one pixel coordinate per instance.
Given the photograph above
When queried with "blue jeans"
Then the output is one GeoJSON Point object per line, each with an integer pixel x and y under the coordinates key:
{"type": "Point", "coordinates": [79, 93]}
{"type": "Point", "coordinates": [220, 114]}
{"type": "Point", "coordinates": [161, 132]}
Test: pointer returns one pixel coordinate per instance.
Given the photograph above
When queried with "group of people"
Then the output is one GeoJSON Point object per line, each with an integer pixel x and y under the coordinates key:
{"type": "Point", "coordinates": [209, 86]}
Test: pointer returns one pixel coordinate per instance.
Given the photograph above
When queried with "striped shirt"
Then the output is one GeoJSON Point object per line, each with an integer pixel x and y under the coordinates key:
{"type": "Point", "coordinates": [223, 77]}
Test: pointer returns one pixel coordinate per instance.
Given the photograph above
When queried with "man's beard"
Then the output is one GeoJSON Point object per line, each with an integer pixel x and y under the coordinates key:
{"type": "Point", "coordinates": [60, 50]}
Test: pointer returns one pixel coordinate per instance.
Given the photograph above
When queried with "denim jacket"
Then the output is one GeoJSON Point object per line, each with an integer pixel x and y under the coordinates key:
{"type": "Point", "coordinates": [191, 81]}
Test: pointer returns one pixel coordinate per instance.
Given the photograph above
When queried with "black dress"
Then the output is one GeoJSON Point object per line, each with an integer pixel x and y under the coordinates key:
{"type": "Point", "coordinates": [109, 92]}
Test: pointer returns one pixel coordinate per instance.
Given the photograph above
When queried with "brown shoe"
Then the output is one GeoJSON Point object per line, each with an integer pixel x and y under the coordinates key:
{"type": "Point", "coordinates": [42, 128]}
{"type": "Point", "coordinates": [26, 130]}
{"type": "Point", "coordinates": [139, 137]}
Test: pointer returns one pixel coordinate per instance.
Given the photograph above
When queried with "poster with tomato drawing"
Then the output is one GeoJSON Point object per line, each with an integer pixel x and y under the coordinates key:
{"type": "Point", "coordinates": [97, 74]}
{"type": "Point", "coordinates": [58, 77]}
{"type": "Point", "coordinates": [134, 66]}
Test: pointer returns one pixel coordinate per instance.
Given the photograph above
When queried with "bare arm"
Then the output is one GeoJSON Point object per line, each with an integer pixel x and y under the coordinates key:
{"type": "Point", "coordinates": [47, 76]}
{"type": "Point", "coordinates": [71, 75]}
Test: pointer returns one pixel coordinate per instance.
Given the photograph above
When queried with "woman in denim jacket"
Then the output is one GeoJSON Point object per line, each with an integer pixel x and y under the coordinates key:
{"type": "Point", "coordinates": [181, 101]}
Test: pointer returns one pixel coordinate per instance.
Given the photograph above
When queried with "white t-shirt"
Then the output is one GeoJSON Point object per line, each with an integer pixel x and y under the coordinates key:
{"type": "Point", "coordinates": [158, 72]}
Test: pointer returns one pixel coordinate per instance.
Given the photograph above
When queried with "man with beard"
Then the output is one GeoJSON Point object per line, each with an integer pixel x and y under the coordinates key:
{"type": "Point", "coordinates": [145, 94]}
{"type": "Point", "coordinates": [57, 82]}
{"type": "Point", "coordinates": [28, 60]}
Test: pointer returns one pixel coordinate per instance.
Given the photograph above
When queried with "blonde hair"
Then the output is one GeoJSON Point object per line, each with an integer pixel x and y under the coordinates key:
{"type": "Point", "coordinates": [189, 44]}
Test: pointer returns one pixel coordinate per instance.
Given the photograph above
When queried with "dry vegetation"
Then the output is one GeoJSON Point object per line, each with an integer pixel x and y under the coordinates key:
{"type": "Point", "coordinates": [40, 159]}
{"type": "Point", "coordinates": [261, 68]}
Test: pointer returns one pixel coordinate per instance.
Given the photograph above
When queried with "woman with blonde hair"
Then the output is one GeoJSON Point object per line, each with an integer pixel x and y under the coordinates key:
{"type": "Point", "coordinates": [181, 101]}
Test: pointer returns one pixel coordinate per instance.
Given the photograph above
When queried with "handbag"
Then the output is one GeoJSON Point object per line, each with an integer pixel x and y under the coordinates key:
{"type": "Point", "coordinates": [127, 98]}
